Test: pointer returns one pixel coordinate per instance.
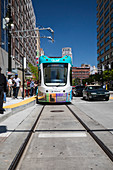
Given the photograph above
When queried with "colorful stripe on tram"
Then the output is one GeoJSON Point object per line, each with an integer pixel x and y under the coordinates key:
{"type": "Point", "coordinates": [55, 97]}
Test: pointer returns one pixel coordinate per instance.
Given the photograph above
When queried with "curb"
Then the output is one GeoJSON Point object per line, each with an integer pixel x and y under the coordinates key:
{"type": "Point", "coordinates": [14, 108]}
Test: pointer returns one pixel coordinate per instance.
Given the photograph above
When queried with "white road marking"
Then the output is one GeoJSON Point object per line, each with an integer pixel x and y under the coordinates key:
{"type": "Point", "coordinates": [61, 134]}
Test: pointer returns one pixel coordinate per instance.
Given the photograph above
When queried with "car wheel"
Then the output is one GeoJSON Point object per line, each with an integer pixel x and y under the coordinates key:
{"type": "Point", "coordinates": [107, 98]}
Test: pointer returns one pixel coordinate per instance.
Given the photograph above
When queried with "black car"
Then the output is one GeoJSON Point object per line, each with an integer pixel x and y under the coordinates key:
{"type": "Point", "coordinates": [95, 92]}
{"type": "Point", "coordinates": [78, 90]}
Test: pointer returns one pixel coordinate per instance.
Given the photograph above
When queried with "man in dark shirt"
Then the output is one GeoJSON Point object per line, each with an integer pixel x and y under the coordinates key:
{"type": "Point", "coordinates": [3, 88]}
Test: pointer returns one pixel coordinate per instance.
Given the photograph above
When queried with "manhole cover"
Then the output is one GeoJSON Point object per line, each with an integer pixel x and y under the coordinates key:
{"type": "Point", "coordinates": [57, 110]}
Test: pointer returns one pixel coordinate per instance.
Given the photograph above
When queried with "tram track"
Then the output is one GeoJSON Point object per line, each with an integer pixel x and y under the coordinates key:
{"type": "Point", "coordinates": [107, 151]}
{"type": "Point", "coordinates": [21, 151]}
{"type": "Point", "coordinates": [18, 156]}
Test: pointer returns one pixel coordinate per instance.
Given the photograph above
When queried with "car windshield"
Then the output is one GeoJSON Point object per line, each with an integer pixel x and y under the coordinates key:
{"type": "Point", "coordinates": [94, 87]}
{"type": "Point", "coordinates": [55, 74]}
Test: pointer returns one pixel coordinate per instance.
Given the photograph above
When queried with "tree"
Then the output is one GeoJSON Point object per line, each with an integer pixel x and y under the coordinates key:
{"type": "Point", "coordinates": [34, 70]}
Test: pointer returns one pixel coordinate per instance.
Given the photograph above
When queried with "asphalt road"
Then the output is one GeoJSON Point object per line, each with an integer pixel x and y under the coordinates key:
{"type": "Point", "coordinates": [100, 111]}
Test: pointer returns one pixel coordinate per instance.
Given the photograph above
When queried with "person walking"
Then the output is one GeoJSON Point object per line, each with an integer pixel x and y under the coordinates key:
{"type": "Point", "coordinates": [10, 86]}
{"type": "Point", "coordinates": [3, 88]}
{"type": "Point", "coordinates": [18, 84]}
{"type": "Point", "coordinates": [31, 87]}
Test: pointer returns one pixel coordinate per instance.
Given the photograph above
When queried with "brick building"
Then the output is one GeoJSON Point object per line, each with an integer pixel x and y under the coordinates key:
{"type": "Point", "coordinates": [80, 72]}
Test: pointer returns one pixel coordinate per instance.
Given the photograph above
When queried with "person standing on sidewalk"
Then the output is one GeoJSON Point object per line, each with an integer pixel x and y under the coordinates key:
{"type": "Point", "coordinates": [18, 84]}
{"type": "Point", "coordinates": [31, 87]}
{"type": "Point", "coordinates": [3, 88]}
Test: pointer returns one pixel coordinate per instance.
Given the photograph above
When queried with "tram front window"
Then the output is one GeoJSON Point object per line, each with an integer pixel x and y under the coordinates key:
{"type": "Point", "coordinates": [55, 74]}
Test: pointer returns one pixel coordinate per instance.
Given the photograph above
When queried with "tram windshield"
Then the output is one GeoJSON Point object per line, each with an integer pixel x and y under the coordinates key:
{"type": "Point", "coordinates": [55, 74]}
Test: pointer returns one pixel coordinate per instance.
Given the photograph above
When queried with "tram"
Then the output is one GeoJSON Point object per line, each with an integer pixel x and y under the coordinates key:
{"type": "Point", "coordinates": [55, 79]}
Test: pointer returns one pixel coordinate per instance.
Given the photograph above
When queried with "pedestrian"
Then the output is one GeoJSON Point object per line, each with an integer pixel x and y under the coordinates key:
{"type": "Point", "coordinates": [3, 88]}
{"type": "Point", "coordinates": [31, 87]}
{"type": "Point", "coordinates": [25, 88]}
{"type": "Point", "coordinates": [10, 86]}
{"type": "Point", "coordinates": [14, 88]}
{"type": "Point", "coordinates": [18, 84]}
{"type": "Point", "coordinates": [28, 86]}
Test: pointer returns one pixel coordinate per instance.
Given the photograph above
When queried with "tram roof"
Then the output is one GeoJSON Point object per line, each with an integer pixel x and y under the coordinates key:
{"type": "Point", "coordinates": [46, 59]}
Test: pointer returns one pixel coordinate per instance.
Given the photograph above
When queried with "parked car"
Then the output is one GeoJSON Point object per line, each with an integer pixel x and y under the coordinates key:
{"type": "Point", "coordinates": [78, 90]}
{"type": "Point", "coordinates": [95, 92]}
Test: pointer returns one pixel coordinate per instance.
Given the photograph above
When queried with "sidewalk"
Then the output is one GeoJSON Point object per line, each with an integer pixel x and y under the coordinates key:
{"type": "Point", "coordinates": [15, 105]}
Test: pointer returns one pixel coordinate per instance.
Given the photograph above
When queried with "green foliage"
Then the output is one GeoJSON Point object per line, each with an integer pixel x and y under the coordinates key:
{"type": "Point", "coordinates": [34, 70]}
{"type": "Point", "coordinates": [76, 81]}
{"type": "Point", "coordinates": [108, 75]}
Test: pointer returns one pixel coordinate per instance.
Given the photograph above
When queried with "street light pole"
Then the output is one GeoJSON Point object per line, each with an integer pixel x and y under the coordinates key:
{"type": "Point", "coordinates": [23, 76]}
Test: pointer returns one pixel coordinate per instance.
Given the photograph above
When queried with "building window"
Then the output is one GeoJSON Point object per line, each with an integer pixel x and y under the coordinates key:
{"type": "Point", "coordinates": [107, 47]}
{"type": "Point", "coordinates": [111, 15]}
{"type": "Point", "coordinates": [107, 30]}
{"type": "Point", "coordinates": [105, 6]}
{"type": "Point", "coordinates": [111, 44]}
{"type": "Point", "coordinates": [107, 39]}
{"type": "Point", "coordinates": [111, 6]}
{"type": "Point", "coordinates": [112, 35]}
{"type": "Point", "coordinates": [16, 54]}
{"type": "Point", "coordinates": [102, 59]}
{"type": "Point", "coordinates": [101, 36]}
{"type": "Point", "coordinates": [102, 51]}
{"type": "Point", "coordinates": [97, 47]}
{"type": "Point", "coordinates": [112, 25]}
{"type": "Point", "coordinates": [101, 12]}
{"type": "Point", "coordinates": [101, 20]}
{"type": "Point", "coordinates": [102, 43]}
{"type": "Point", "coordinates": [106, 13]}
{"type": "Point", "coordinates": [101, 28]}
{"type": "Point", "coordinates": [107, 21]}
{"type": "Point", "coordinates": [101, 4]}
{"type": "Point", "coordinates": [97, 54]}
{"type": "Point", "coordinates": [97, 40]}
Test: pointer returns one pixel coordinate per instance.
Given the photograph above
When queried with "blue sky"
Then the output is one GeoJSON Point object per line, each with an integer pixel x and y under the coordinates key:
{"type": "Point", "coordinates": [74, 25]}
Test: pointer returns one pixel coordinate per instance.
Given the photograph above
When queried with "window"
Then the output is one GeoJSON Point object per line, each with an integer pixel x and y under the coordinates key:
{"type": "Point", "coordinates": [112, 25]}
{"type": "Point", "coordinates": [102, 43]}
{"type": "Point", "coordinates": [107, 30]}
{"type": "Point", "coordinates": [111, 6]}
{"type": "Point", "coordinates": [55, 74]}
{"type": "Point", "coordinates": [107, 39]}
{"type": "Point", "coordinates": [97, 47]}
{"type": "Point", "coordinates": [107, 21]}
{"type": "Point", "coordinates": [112, 35]}
{"type": "Point", "coordinates": [107, 47]}
{"type": "Point", "coordinates": [101, 36]}
{"type": "Point", "coordinates": [111, 44]}
{"type": "Point", "coordinates": [102, 51]}
{"type": "Point", "coordinates": [105, 6]}
{"type": "Point", "coordinates": [101, 4]}
{"type": "Point", "coordinates": [97, 40]}
{"type": "Point", "coordinates": [101, 28]}
{"type": "Point", "coordinates": [97, 54]}
{"type": "Point", "coordinates": [111, 15]}
{"type": "Point", "coordinates": [101, 20]}
{"type": "Point", "coordinates": [106, 13]}
{"type": "Point", "coordinates": [101, 12]}
{"type": "Point", "coordinates": [102, 59]}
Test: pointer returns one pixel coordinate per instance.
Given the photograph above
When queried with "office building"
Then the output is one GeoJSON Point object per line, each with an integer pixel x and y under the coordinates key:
{"type": "Point", "coordinates": [67, 51]}
{"type": "Point", "coordinates": [105, 34]}
{"type": "Point", "coordinates": [23, 42]}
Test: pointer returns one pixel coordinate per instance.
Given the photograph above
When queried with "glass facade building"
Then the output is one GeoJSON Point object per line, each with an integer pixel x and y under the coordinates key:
{"type": "Point", "coordinates": [105, 34]}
